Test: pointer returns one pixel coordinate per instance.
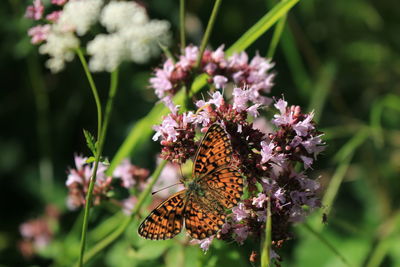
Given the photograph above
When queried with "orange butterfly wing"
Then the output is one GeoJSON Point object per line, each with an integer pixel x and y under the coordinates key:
{"type": "Point", "coordinates": [215, 150]}
{"type": "Point", "coordinates": [166, 220]}
{"type": "Point", "coordinates": [227, 184]}
{"type": "Point", "coordinates": [222, 185]}
{"type": "Point", "coordinates": [205, 215]}
{"type": "Point", "coordinates": [201, 220]}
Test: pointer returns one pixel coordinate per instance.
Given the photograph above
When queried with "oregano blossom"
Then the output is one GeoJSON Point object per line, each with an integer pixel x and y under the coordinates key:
{"type": "Point", "coordinates": [267, 159]}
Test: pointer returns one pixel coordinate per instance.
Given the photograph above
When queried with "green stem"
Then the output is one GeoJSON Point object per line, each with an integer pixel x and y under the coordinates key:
{"type": "Point", "coordinates": [262, 25]}
{"type": "Point", "coordinates": [182, 24]}
{"type": "Point", "coordinates": [107, 226]}
{"type": "Point", "coordinates": [122, 227]}
{"type": "Point", "coordinates": [280, 26]}
{"type": "Point", "coordinates": [109, 105]}
{"type": "Point", "coordinates": [344, 157]}
{"type": "Point", "coordinates": [389, 101]}
{"type": "Point", "coordinates": [327, 243]}
{"type": "Point", "coordinates": [87, 208]}
{"type": "Point", "coordinates": [322, 87]}
{"type": "Point", "coordinates": [101, 134]}
{"type": "Point", "coordinates": [387, 236]}
{"type": "Point", "coordinates": [295, 62]}
{"type": "Point", "coordinates": [334, 185]}
{"type": "Point", "coordinates": [94, 90]}
{"type": "Point", "coordinates": [97, 159]}
{"type": "Point", "coordinates": [266, 246]}
{"type": "Point", "coordinates": [207, 34]}
{"type": "Point", "coordinates": [352, 145]}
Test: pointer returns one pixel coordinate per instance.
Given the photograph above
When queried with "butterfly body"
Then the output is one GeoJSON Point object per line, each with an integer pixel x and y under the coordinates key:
{"type": "Point", "coordinates": [194, 187]}
{"type": "Point", "coordinates": [215, 187]}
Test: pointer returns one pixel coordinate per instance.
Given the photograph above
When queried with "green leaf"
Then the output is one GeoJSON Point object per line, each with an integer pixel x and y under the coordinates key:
{"type": "Point", "coordinates": [121, 255]}
{"type": "Point", "coordinates": [325, 241]}
{"type": "Point", "coordinates": [388, 236]}
{"type": "Point", "coordinates": [90, 159]}
{"type": "Point", "coordinates": [106, 227]}
{"type": "Point", "coordinates": [329, 248]}
{"type": "Point", "coordinates": [175, 256]}
{"type": "Point", "coordinates": [276, 37]}
{"type": "Point", "coordinates": [264, 24]}
{"type": "Point", "coordinates": [212, 261]}
{"type": "Point", "coordinates": [192, 256]}
{"type": "Point", "coordinates": [321, 89]}
{"type": "Point", "coordinates": [343, 157]}
{"type": "Point", "coordinates": [352, 145]}
{"type": "Point", "coordinates": [394, 249]}
{"type": "Point", "coordinates": [294, 59]}
{"type": "Point", "coordinates": [389, 101]}
{"type": "Point", "coordinates": [90, 141]}
{"type": "Point", "coordinates": [152, 250]}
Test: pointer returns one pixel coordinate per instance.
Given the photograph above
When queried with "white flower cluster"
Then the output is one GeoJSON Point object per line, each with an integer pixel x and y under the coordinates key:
{"type": "Point", "coordinates": [131, 36]}
{"type": "Point", "coordinates": [59, 46]}
{"type": "Point", "coordinates": [80, 15]}
{"type": "Point", "coordinates": [77, 16]}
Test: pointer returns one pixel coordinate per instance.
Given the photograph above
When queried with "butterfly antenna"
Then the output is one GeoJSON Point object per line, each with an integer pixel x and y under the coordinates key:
{"type": "Point", "coordinates": [155, 192]}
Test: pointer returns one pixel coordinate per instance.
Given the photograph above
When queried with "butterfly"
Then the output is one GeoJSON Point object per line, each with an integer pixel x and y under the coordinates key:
{"type": "Point", "coordinates": [215, 187]}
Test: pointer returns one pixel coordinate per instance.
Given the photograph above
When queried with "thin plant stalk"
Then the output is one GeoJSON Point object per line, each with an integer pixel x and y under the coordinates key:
{"type": "Point", "coordinates": [344, 157]}
{"type": "Point", "coordinates": [389, 101]}
{"type": "Point", "coordinates": [261, 26]}
{"type": "Point", "coordinates": [97, 156]}
{"type": "Point", "coordinates": [125, 223]}
{"type": "Point", "coordinates": [322, 88]}
{"type": "Point", "coordinates": [109, 104]}
{"type": "Point", "coordinates": [266, 246]}
{"type": "Point", "coordinates": [301, 77]}
{"type": "Point", "coordinates": [94, 91]}
{"type": "Point", "coordinates": [280, 26]}
{"type": "Point", "coordinates": [182, 24]}
{"type": "Point", "coordinates": [386, 236]}
{"type": "Point", "coordinates": [87, 208]}
{"type": "Point", "coordinates": [209, 29]}
{"type": "Point", "coordinates": [326, 243]}
{"type": "Point", "coordinates": [101, 133]}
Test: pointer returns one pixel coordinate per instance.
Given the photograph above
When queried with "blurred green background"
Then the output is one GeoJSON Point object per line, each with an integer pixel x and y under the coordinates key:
{"type": "Point", "coordinates": [341, 58]}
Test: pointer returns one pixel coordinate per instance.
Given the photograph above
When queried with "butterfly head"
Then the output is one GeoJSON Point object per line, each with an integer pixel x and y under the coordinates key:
{"type": "Point", "coordinates": [194, 188]}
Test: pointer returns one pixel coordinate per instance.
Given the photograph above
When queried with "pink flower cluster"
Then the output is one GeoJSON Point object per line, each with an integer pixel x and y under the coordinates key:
{"type": "Point", "coordinates": [38, 233]}
{"type": "Point", "coordinates": [177, 134]}
{"type": "Point", "coordinates": [252, 80]}
{"type": "Point", "coordinates": [35, 11]}
{"type": "Point", "coordinates": [177, 131]}
{"type": "Point", "coordinates": [266, 159]}
{"type": "Point", "coordinates": [129, 176]}
{"type": "Point", "coordinates": [237, 69]}
{"type": "Point", "coordinates": [295, 140]}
